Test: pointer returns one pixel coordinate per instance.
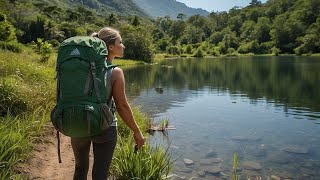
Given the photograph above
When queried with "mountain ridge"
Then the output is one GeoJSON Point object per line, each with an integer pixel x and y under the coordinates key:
{"type": "Point", "coordinates": [172, 8]}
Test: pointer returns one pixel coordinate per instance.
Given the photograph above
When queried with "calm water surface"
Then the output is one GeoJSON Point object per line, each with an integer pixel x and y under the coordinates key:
{"type": "Point", "coordinates": [267, 109]}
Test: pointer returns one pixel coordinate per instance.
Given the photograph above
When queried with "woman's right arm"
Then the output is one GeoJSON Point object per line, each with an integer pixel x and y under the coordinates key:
{"type": "Point", "coordinates": [122, 105]}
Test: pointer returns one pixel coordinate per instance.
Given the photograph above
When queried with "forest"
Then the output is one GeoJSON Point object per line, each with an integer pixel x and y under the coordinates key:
{"type": "Point", "coordinates": [275, 27]}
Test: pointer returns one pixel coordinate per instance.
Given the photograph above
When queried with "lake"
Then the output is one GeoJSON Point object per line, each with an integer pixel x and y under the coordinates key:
{"type": "Point", "coordinates": [266, 109]}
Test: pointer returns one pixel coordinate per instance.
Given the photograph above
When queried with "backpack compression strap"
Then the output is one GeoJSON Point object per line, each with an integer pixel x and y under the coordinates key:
{"type": "Point", "coordinates": [95, 83]}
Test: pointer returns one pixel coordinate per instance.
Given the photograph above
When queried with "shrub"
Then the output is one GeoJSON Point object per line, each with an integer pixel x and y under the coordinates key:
{"type": "Point", "coordinates": [214, 51]}
{"type": "Point", "coordinates": [11, 46]}
{"type": "Point", "coordinates": [54, 42]}
{"type": "Point", "coordinates": [275, 51]}
{"type": "Point", "coordinates": [173, 50]}
{"type": "Point", "coordinates": [7, 31]}
{"type": "Point", "coordinates": [43, 48]}
{"type": "Point", "coordinates": [188, 49]}
{"type": "Point", "coordinates": [199, 53]}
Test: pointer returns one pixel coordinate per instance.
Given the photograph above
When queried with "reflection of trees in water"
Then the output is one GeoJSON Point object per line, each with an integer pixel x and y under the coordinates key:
{"type": "Point", "coordinates": [292, 81]}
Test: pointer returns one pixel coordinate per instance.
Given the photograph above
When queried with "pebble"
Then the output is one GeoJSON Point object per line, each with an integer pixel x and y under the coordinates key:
{"type": "Point", "coordinates": [273, 177]}
{"type": "Point", "coordinates": [188, 161]}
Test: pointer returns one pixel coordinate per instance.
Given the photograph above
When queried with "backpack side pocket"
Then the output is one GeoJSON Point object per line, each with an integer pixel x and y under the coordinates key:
{"type": "Point", "coordinates": [106, 116]}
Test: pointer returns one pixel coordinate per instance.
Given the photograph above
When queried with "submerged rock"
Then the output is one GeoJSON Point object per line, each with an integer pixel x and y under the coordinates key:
{"type": "Point", "coordinates": [211, 154]}
{"type": "Point", "coordinates": [188, 161]}
{"type": "Point", "coordinates": [279, 158]}
{"type": "Point", "coordinates": [250, 165]}
{"type": "Point", "coordinates": [210, 161]}
{"type": "Point", "coordinates": [202, 173]}
{"type": "Point", "coordinates": [214, 170]}
{"type": "Point", "coordinates": [295, 149]}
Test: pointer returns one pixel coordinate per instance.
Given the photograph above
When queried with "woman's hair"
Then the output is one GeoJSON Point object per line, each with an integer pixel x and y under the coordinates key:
{"type": "Point", "coordinates": [107, 34]}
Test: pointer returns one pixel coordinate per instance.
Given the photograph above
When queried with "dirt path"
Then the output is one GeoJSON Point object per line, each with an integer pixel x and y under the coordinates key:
{"type": "Point", "coordinates": [44, 161]}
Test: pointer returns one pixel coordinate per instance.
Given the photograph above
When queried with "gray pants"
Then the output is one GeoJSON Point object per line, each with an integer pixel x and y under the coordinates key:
{"type": "Point", "coordinates": [103, 148]}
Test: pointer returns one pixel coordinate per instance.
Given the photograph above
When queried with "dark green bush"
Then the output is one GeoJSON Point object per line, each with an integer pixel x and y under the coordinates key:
{"type": "Point", "coordinates": [199, 53]}
{"type": "Point", "coordinates": [173, 50]}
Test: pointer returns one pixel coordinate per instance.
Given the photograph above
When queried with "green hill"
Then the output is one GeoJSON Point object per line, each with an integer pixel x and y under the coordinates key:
{"type": "Point", "coordinates": [172, 8]}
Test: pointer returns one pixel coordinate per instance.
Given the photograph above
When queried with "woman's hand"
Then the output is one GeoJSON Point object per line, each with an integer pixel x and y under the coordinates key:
{"type": "Point", "coordinates": [138, 137]}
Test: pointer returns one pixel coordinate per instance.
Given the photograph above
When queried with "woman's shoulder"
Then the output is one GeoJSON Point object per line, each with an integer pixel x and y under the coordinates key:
{"type": "Point", "coordinates": [117, 72]}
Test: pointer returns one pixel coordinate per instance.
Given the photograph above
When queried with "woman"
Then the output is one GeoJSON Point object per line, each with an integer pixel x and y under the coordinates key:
{"type": "Point", "coordinates": [104, 144]}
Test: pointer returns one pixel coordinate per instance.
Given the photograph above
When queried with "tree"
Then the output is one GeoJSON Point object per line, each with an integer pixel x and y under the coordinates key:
{"type": "Point", "coordinates": [7, 30]}
{"type": "Point", "coordinates": [192, 35]}
{"type": "Point", "coordinates": [135, 21]}
{"type": "Point", "coordinates": [181, 16]}
{"type": "Point", "coordinates": [255, 3]}
{"type": "Point", "coordinates": [138, 42]}
{"type": "Point", "coordinates": [176, 30]}
{"type": "Point", "coordinates": [112, 19]}
{"type": "Point", "coordinates": [261, 30]}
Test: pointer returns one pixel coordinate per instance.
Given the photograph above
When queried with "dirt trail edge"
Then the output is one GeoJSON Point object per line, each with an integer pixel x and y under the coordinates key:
{"type": "Point", "coordinates": [44, 163]}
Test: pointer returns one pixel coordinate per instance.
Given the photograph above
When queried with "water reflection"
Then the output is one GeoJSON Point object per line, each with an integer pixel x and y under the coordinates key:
{"type": "Point", "coordinates": [259, 107]}
{"type": "Point", "coordinates": [285, 81]}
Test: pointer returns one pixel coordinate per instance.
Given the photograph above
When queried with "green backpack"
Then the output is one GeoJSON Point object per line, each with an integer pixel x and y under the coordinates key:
{"type": "Point", "coordinates": [82, 108]}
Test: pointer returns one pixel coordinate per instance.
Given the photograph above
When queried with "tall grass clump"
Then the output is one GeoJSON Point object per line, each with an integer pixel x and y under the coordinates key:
{"type": "Point", "coordinates": [148, 163]}
{"type": "Point", "coordinates": [17, 133]}
{"type": "Point", "coordinates": [11, 99]}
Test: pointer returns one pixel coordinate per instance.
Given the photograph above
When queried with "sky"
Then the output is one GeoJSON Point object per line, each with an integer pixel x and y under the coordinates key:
{"type": "Point", "coordinates": [217, 5]}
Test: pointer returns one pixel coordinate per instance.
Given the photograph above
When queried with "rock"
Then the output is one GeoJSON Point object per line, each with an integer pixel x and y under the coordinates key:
{"type": "Point", "coordinates": [211, 154]}
{"type": "Point", "coordinates": [185, 170]}
{"type": "Point", "coordinates": [295, 149]}
{"type": "Point", "coordinates": [274, 177]}
{"type": "Point", "coordinates": [202, 173]}
{"type": "Point", "coordinates": [216, 160]}
{"type": "Point", "coordinates": [188, 161]}
{"type": "Point", "coordinates": [214, 170]}
{"type": "Point", "coordinates": [250, 165]}
{"type": "Point", "coordinates": [280, 158]}
{"type": "Point", "coordinates": [210, 161]}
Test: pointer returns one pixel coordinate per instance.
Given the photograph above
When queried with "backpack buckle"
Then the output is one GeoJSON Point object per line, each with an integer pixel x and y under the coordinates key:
{"type": "Point", "coordinates": [93, 66]}
{"type": "Point", "coordinates": [88, 108]}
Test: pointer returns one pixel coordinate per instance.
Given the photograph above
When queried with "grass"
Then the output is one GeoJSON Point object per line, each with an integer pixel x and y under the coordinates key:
{"type": "Point", "coordinates": [17, 134]}
{"type": "Point", "coordinates": [146, 164]}
{"type": "Point", "coordinates": [27, 94]}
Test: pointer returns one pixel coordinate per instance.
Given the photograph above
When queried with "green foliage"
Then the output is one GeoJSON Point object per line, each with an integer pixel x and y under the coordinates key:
{"type": "Point", "coordinates": [7, 30]}
{"type": "Point", "coordinates": [43, 48]}
{"type": "Point", "coordinates": [192, 35]}
{"type": "Point", "coordinates": [173, 50]}
{"type": "Point", "coordinates": [163, 44]}
{"type": "Point", "coordinates": [188, 49]}
{"type": "Point", "coordinates": [12, 100]}
{"type": "Point", "coordinates": [17, 133]}
{"type": "Point", "coordinates": [199, 52]}
{"type": "Point", "coordinates": [136, 21]}
{"type": "Point", "coordinates": [291, 26]}
{"type": "Point", "coordinates": [11, 46]}
{"type": "Point", "coordinates": [138, 43]}
{"type": "Point", "coordinates": [275, 51]}
{"type": "Point", "coordinates": [148, 163]}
